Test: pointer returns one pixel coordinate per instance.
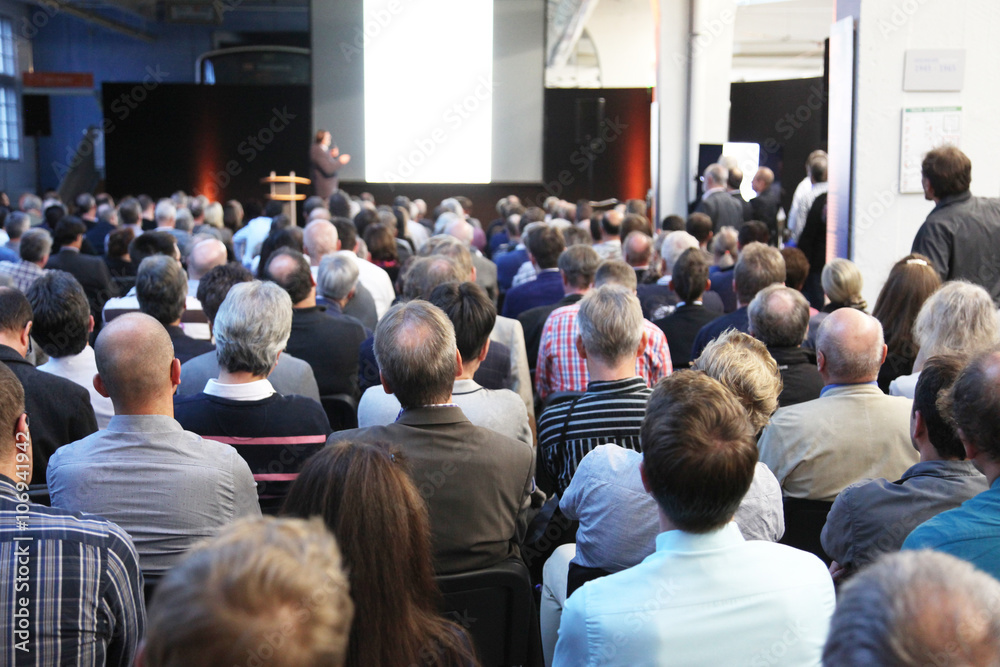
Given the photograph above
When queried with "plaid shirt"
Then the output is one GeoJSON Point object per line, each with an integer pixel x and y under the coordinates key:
{"type": "Point", "coordinates": [561, 368]}
{"type": "Point", "coordinates": [70, 591]}
{"type": "Point", "coordinates": [22, 273]}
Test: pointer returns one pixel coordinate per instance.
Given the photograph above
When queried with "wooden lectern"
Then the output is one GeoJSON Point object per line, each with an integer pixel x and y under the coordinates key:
{"type": "Point", "coordinates": [283, 190]}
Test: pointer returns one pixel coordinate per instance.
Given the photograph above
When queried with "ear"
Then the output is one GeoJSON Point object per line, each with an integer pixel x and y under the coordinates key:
{"type": "Point", "coordinates": [312, 281]}
{"type": "Point", "coordinates": [459, 369]}
{"type": "Point", "coordinates": [385, 384]}
{"type": "Point", "coordinates": [26, 334]}
{"type": "Point", "coordinates": [90, 324]}
{"type": "Point", "coordinates": [820, 361]}
{"type": "Point", "coordinates": [339, 244]}
{"type": "Point", "coordinates": [644, 476]}
{"type": "Point", "coordinates": [485, 350]}
{"type": "Point", "coordinates": [22, 434]}
{"type": "Point", "coordinates": [885, 351]}
{"type": "Point", "coordinates": [918, 427]}
{"type": "Point", "coordinates": [670, 285]}
{"type": "Point", "coordinates": [175, 372]}
{"type": "Point", "coordinates": [350, 295]}
{"type": "Point", "coordinates": [99, 386]}
{"type": "Point", "coordinates": [643, 342]}
{"type": "Point", "coordinates": [708, 284]}
{"type": "Point", "coordinates": [580, 348]}
{"type": "Point", "coordinates": [472, 278]}
{"type": "Point", "coordinates": [971, 451]}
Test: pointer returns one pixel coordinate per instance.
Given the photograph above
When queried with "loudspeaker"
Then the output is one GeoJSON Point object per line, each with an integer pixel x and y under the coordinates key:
{"type": "Point", "coordinates": [37, 119]}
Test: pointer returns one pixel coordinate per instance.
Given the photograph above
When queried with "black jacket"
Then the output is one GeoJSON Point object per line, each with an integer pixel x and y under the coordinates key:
{"type": "Point", "coordinates": [802, 382]}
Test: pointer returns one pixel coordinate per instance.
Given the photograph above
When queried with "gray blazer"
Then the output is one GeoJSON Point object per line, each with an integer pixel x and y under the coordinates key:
{"type": "Point", "coordinates": [291, 376]}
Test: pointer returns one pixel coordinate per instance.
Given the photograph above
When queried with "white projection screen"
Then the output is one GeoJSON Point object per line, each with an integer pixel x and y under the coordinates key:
{"type": "Point", "coordinates": [431, 91]}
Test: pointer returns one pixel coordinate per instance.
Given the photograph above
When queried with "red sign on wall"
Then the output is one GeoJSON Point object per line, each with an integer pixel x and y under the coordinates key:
{"type": "Point", "coordinates": [58, 80]}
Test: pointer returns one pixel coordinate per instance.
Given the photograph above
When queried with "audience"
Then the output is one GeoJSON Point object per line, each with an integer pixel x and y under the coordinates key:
{"type": "Point", "coordinates": [291, 376]}
{"type": "Point", "coordinates": [62, 327]}
{"type": "Point", "coordinates": [73, 581]}
{"type": "Point", "coordinates": [959, 318]}
{"type": "Point", "coordinates": [561, 367]}
{"type": "Point", "coordinates": [779, 318]}
{"type": "Point", "coordinates": [972, 530]}
{"type": "Point", "coordinates": [166, 486]}
{"type": "Point", "coordinates": [638, 253]}
{"type": "Point", "coordinates": [328, 343]}
{"type": "Point", "coordinates": [658, 299]}
{"type": "Point", "coordinates": [689, 281]}
{"type": "Point", "coordinates": [320, 240]}
{"type": "Point", "coordinates": [267, 592]}
{"type": "Point", "coordinates": [34, 249]}
{"type": "Point", "coordinates": [873, 517]}
{"type": "Point", "coordinates": [911, 281]}
{"type": "Point", "coordinates": [337, 286]}
{"type": "Point", "coordinates": [274, 434]}
{"type": "Point", "coordinates": [705, 596]}
{"type": "Point", "coordinates": [365, 498]}
{"type": "Point", "coordinates": [914, 609]}
{"type": "Point", "coordinates": [545, 244]}
{"type": "Point", "coordinates": [758, 266]}
{"type": "Point", "coordinates": [476, 482]}
{"type": "Point", "coordinates": [161, 289]}
{"type": "Point", "coordinates": [91, 272]}
{"type": "Point", "coordinates": [61, 408]}
{"type": "Point", "coordinates": [852, 431]}
{"type": "Point", "coordinates": [472, 315]}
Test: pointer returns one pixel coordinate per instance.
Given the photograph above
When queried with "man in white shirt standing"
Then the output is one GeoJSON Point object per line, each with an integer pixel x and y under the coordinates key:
{"type": "Point", "coordinates": [706, 596]}
{"type": "Point", "coordinates": [62, 326]}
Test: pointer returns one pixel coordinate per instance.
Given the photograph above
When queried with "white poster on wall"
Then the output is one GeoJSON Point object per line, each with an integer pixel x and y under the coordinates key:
{"type": "Point", "coordinates": [925, 128]}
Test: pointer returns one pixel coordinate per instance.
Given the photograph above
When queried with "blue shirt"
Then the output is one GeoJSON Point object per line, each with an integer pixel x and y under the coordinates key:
{"type": "Point", "coordinates": [970, 532]}
{"type": "Point", "coordinates": [75, 580]}
{"type": "Point", "coordinates": [711, 599]}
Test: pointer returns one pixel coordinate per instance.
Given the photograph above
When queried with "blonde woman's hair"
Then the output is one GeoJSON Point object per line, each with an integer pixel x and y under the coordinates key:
{"type": "Point", "coordinates": [842, 282]}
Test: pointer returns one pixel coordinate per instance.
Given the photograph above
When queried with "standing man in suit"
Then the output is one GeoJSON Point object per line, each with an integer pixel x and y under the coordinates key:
{"type": "Point", "coordinates": [324, 163]}
{"type": "Point", "coordinates": [476, 482]}
{"type": "Point", "coordinates": [717, 203]}
{"type": "Point", "coordinates": [766, 204]}
{"type": "Point", "coordinates": [91, 272]}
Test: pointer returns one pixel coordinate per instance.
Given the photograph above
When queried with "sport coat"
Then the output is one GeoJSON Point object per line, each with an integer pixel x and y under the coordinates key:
{"type": "Point", "coordinates": [476, 483]}
{"type": "Point", "coordinates": [92, 274]}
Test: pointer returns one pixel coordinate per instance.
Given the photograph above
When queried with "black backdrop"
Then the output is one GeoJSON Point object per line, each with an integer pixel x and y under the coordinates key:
{"type": "Point", "coordinates": [217, 140]}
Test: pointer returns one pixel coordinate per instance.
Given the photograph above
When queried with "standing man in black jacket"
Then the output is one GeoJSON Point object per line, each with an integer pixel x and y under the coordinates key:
{"type": "Point", "coordinates": [324, 163]}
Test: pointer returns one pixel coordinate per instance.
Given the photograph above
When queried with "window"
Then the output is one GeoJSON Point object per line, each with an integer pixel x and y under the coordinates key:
{"type": "Point", "coordinates": [10, 134]}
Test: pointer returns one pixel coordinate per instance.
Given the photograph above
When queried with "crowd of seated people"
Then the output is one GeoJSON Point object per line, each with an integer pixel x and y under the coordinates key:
{"type": "Point", "coordinates": [227, 439]}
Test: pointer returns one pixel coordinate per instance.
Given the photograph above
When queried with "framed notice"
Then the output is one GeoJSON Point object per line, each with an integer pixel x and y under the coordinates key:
{"type": "Point", "coordinates": [925, 128]}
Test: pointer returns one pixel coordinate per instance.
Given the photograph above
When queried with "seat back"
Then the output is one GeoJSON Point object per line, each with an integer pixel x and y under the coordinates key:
{"type": "Point", "coordinates": [341, 410]}
{"type": "Point", "coordinates": [804, 521]}
{"type": "Point", "coordinates": [496, 608]}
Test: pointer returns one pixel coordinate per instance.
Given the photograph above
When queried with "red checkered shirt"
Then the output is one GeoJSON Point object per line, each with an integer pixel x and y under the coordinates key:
{"type": "Point", "coordinates": [561, 368]}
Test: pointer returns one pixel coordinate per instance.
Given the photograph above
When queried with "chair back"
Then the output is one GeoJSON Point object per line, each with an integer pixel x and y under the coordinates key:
{"type": "Point", "coordinates": [804, 521]}
{"type": "Point", "coordinates": [341, 410]}
{"type": "Point", "coordinates": [496, 608]}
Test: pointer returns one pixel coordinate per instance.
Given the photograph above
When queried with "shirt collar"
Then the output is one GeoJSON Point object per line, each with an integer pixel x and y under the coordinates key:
{"type": "Point", "coordinates": [246, 391]}
{"type": "Point", "coordinates": [432, 405]}
{"type": "Point", "coordinates": [683, 541]}
{"type": "Point", "coordinates": [8, 487]}
{"type": "Point", "coordinates": [712, 191]}
{"type": "Point", "coordinates": [828, 387]}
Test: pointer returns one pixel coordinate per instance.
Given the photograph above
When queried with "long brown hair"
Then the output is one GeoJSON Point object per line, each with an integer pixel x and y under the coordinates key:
{"type": "Point", "coordinates": [367, 499]}
{"type": "Point", "coordinates": [911, 280]}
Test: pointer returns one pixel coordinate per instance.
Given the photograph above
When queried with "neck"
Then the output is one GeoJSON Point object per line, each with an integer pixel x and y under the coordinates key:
{"type": "Point", "coordinates": [308, 302]}
{"type": "Point", "coordinates": [469, 369]}
{"type": "Point", "coordinates": [602, 371]}
{"type": "Point", "coordinates": [14, 344]}
{"type": "Point", "coordinates": [829, 379]}
{"type": "Point", "coordinates": [569, 290]}
{"type": "Point", "coordinates": [238, 377]}
{"type": "Point", "coordinates": [163, 405]}
{"type": "Point", "coordinates": [989, 468]}
{"type": "Point", "coordinates": [928, 452]}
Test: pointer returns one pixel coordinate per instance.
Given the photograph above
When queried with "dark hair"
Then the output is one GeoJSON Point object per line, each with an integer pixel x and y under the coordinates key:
{"type": "Point", "coordinates": [735, 178]}
{"type": "Point", "coordinates": [817, 169]}
{"type": "Point", "coordinates": [472, 313]}
{"type": "Point", "coordinates": [911, 281]}
{"type": "Point", "coordinates": [67, 230]}
{"type": "Point", "coordinates": [215, 285]}
{"type": "Point", "coordinates": [698, 451]}
{"type": "Point", "coordinates": [196, 209]}
{"type": "Point", "coordinates": [699, 226]}
{"type": "Point", "coordinates": [609, 227]}
{"type": "Point", "coordinates": [53, 214]}
{"type": "Point", "coordinates": [272, 209]}
{"type": "Point", "coordinates": [298, 282]}
{"type": "Point", "coordinates": [11, 409]}
{"type": "Point", "coordinates": [15, 310]}
{"type": "Point", "coordinates": [752, 231]}
{"type": "Point", "coordinates": [635, 222]}
{"type": "Point", "coordinates": [340, 205]}
{"type": "Point", "coordinates": [381, 243]}
{"type": "Point", "coordinates": [119, 241]}
{"type": "Point", "coordinates": [320, 135]}
{"type": "Point", "coordinates": [365, 217]}
{"type": "Point", "coordinates": [796, 267]}
{"type": "Point", "coordinates": [948, 170]}
{"type": "Point", "coordinates": [61, 314]}
{"type": "Point", "coordinates": [129, 211]}
{"type": "Point", "coordinates": [149, 244]}
{"type": "Point", "coordinates": [232, 215]}
{"type": "Point", "coordinates": [690, 274]}
{"type": "Point", "coordinates": [972, 404]}
{"type": "Point", "coordinates": [161, 288]}
{"type": "Point", "coordinates": [545, 243]}
{"type": "Point", "coordinates": [937, 376]}
{"type": "Point", "coordinates": [346, 232]}
{"type": "Point", "coordinates": [578, 264]}
{"type": "Point", "coordinates": [672, 223]}
{"type": "Point", "coordinates": [283, 237]}
{"type": "Point", "coordinates": [84, 202]}
{"type": "Point", "coordinates": [367, 499]}
{"type": "Point", "coordinates": [583, 210]}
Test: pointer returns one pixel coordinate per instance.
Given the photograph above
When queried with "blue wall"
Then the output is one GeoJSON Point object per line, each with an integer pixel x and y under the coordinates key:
{"type": "Point", "coordinates": [69, 44]}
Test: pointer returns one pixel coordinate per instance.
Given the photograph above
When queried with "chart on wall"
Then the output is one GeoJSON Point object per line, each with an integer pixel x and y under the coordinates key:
{"type": "Point", "coordinates": [925, 128]}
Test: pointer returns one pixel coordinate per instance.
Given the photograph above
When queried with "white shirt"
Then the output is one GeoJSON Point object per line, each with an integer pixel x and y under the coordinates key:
{"type": "Point", "coordinates": [247, 241]}
{"type": "Point", "coordinates": [81, 369]}
{"type": "Point", "coordinates": [244, 391]}
{"type": "Point", "coordinates": [904, 385]}
{"type": "Point", "coordinates": [376, 281]}
{"type": "Point", "coordinates": [711, 599]}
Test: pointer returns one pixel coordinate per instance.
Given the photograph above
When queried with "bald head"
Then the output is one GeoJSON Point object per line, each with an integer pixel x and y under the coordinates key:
{"type": "Point", "coordinates": [205, 256]}
{"type": "Point", "coordinates": [850, 347]}
{"type": "Point", "coordinates": [320, 239]}
{"type": "Point", "coordinates": [638, 249]}
{"type": "Point", "coordinates": [461, 230]}
{"type": "Point", "coordinates": [135, 361]}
